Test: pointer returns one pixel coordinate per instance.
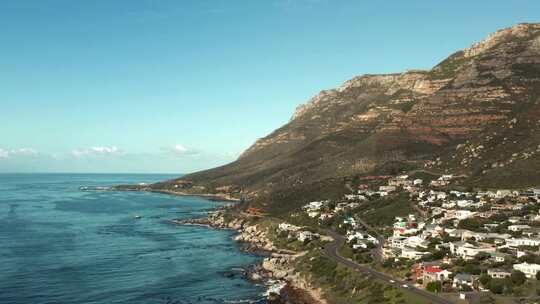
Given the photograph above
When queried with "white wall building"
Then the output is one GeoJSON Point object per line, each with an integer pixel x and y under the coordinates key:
{"type": "Point", "coordinates": [529, 270]}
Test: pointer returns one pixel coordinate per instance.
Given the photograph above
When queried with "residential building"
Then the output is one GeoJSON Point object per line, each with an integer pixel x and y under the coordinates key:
{"type": "Point", "coordinates": [517, 228]}
{"type": "Point", "coordinates": [462, 279]}
{"type": "Point", "coordinates": [498, 273]}
{"type": "Point", "coordinates": [469, 251]}
{"type": "Point", "coordinates": [516, 242]}
{"type": "Point", "coordinates": [529, 270]}
{"type": "Point", "coordinates": [306, 236]}
{"type": "Point", "coordinates": [412, 254]}
{"type": "Point", "coordinates": [434, 273]}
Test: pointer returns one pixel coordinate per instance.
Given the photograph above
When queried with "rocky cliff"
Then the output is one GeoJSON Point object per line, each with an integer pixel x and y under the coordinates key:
{"type": "Point", "coordinates": [476, 113]}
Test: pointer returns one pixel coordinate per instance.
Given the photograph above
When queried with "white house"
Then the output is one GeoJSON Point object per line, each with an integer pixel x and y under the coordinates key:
{"type": "Point", "coordinates": [446, 177]}
{"type": "Point", "coordinates": [529, 270]}
{"type": "Point", "coordinates": [464, 203]}
{"type": "Point", "coordinates": [360, 246]}
{"type": "Point", "coordinates": [464, 279]}
{"type": "Point", "coordinates": [314, 205]}
{"type": "Point", "coordinates": [498, 273]}
{"type": "Point", "coordinates": [448, 205]}
{"type": "Point", "coordinates": [516, 228]}
{"type": "Point", "coordinates": [387, 189]}
{"type": "Point", "coordinates": [441, 196]}
{"type": "Point", "coordinates": [516, 242]}
{"type": "Point", "coordinates": [357, 235]}
{"type": "Point", "coordinates": [396, 242]}
{"type": "Point", "coordinates": [288, 227]}
{"type": "Point", "coordinates": [313, 213]}
{"type": "Point", "coordinates": [305, 236]}
{"type": "Point", "coordinates": [463, 214]}
{"type": "Point", "coordinates": [469, 251]}
{"type": "Point", "coordinates": [415, 241]}
{"type": "Point", "coordinates": [412, 254]}
{"type": "Point", "coordinates": [503, 193]}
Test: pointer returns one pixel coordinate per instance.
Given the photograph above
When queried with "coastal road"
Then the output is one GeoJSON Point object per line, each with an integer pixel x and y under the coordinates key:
{"type": "Point", "coordinates": [331, 250]}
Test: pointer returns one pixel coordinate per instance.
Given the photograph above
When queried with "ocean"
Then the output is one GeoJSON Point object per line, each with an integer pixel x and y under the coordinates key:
{"type": "Point", "coordinates": [59, 244]}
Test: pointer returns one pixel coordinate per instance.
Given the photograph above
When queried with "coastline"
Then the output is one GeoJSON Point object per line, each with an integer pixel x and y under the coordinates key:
{"type": "Point", "coordinates": [276, 270]}
{"type": "Point", "coordinates": [222, 197]}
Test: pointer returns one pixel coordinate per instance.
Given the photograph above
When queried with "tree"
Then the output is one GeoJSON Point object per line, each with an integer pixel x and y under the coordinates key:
{"type": "Point", "coordinates": [465, 287]}
{"type": "Point", "coordinates": [471, 268]}
{"type": "Point", "coordinates": [473, 224]}
{"type": "Point", "coordinates": [538, 275]}
{"type": "Point", "coordinates": [518, 277]}
{"type": "Point", "coordinates": [496, 286]}
{"type": "Point", "coordinates": [481, 256]}
{"type": "Point", "coordinates": [434, 286]}
{"type": "Point", "coordinates": [484, 279]}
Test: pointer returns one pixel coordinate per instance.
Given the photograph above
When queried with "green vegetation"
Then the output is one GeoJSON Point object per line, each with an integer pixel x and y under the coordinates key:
{"type": "Point", "coordinates": [359, 256]}
{"type": "Point", "coordinates": [281, 203]}
{"type": "Point", "coordinates": [342, 285]}
{"type": "Point", "coordinates": [434, 286]}
{"type": "Point", "coordinates": [518, 277]}
{"type": "Point", "coordinates": [394, 168]}
{"type": "Point", "coordinates": [473, 224]}
{"type": "Point", "coordinates": [514, 285]}
{"type": "Point", "coordinates": [386, 209]}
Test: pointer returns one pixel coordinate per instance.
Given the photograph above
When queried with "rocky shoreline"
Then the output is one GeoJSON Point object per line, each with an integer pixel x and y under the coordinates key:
{"type": "Point", "coordinates": [221, 197]}
{"type": "Point", "coordinates": [276, 271]}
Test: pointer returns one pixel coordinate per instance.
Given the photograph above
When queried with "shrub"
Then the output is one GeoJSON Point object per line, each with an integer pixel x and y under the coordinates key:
{"type": "Point", "coordinates": [518, 277]}
{"type": "Point", "coordinates": [484, 279]}
{"type": "Point", "coordinates": [496, 286]}
{"type": "Point", "coordinates": [434, 286]}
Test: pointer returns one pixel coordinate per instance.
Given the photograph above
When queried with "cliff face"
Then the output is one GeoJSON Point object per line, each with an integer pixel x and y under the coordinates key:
{"type": "Point", "coordinates": [471, 113]}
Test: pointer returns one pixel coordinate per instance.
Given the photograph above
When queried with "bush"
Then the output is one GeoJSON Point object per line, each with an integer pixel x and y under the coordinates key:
{"type": "Point", "coordinates": [473, 224]}
{"type": "Point", "coordinates": [484, 279]}
{"type": "Point", "coordinates": [466, 287]}
{"type": "Point", "coordinates": [496, 286]}
{"type": "Point", "coordinates": [471, 268]}
{"type": "Point", "coordinates": [434, 286]}
{"type": "Point", "coordinates": [518, 277]}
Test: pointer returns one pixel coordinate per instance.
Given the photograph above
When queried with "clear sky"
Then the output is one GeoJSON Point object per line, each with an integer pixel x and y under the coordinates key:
{"type": "Point", "coordinates": [177, 86]}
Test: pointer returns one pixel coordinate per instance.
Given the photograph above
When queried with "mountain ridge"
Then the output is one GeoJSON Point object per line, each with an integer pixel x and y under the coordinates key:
{"type": "Point", "coordinates": [429, 119]}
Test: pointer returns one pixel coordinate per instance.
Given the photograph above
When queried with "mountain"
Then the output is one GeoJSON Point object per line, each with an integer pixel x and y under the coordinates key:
{"type": "Point", "coordinates": [477, 113]}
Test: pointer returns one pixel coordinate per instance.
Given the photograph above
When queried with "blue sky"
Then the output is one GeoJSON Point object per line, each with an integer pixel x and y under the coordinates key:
{"type": "Point", "coordinates": [178, 86]}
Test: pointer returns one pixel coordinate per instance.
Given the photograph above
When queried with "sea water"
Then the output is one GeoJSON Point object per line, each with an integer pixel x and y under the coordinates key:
{"type": "Point", "coordinates": [59, 244]}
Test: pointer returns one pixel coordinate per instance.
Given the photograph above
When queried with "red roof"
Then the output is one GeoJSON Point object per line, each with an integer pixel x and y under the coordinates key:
{"type": "Point", "coordinates": [433, 269]}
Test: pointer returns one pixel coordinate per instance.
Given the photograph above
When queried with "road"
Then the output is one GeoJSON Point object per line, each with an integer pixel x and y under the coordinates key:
{"type": "Point", "coordinates": [331, 250]}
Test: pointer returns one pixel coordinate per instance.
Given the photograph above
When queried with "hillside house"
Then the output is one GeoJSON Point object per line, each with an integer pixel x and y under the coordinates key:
{"type": "Point", "coordinates": [517, 228]}
{"type": "Point", "coordinates": [516, 242]}
{"type": "Point", "coordinates": [462, 279]}
{"type": "Point", "coordinates": [498, 273]}
{"type": "Point", "coordinates": [469, 251]}
{"type": "Point", "coordinates": [306, 236]}
{"type": "Point", "coordinates": [529, 270]}
{"type": "Point", "coordinates": [435, 273]}
{"type": "Point", "coordinates": [412, 254]}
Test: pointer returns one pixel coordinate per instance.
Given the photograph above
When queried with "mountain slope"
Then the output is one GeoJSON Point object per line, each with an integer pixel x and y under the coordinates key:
{"type": "Point", "coordinates": [476, 113]}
